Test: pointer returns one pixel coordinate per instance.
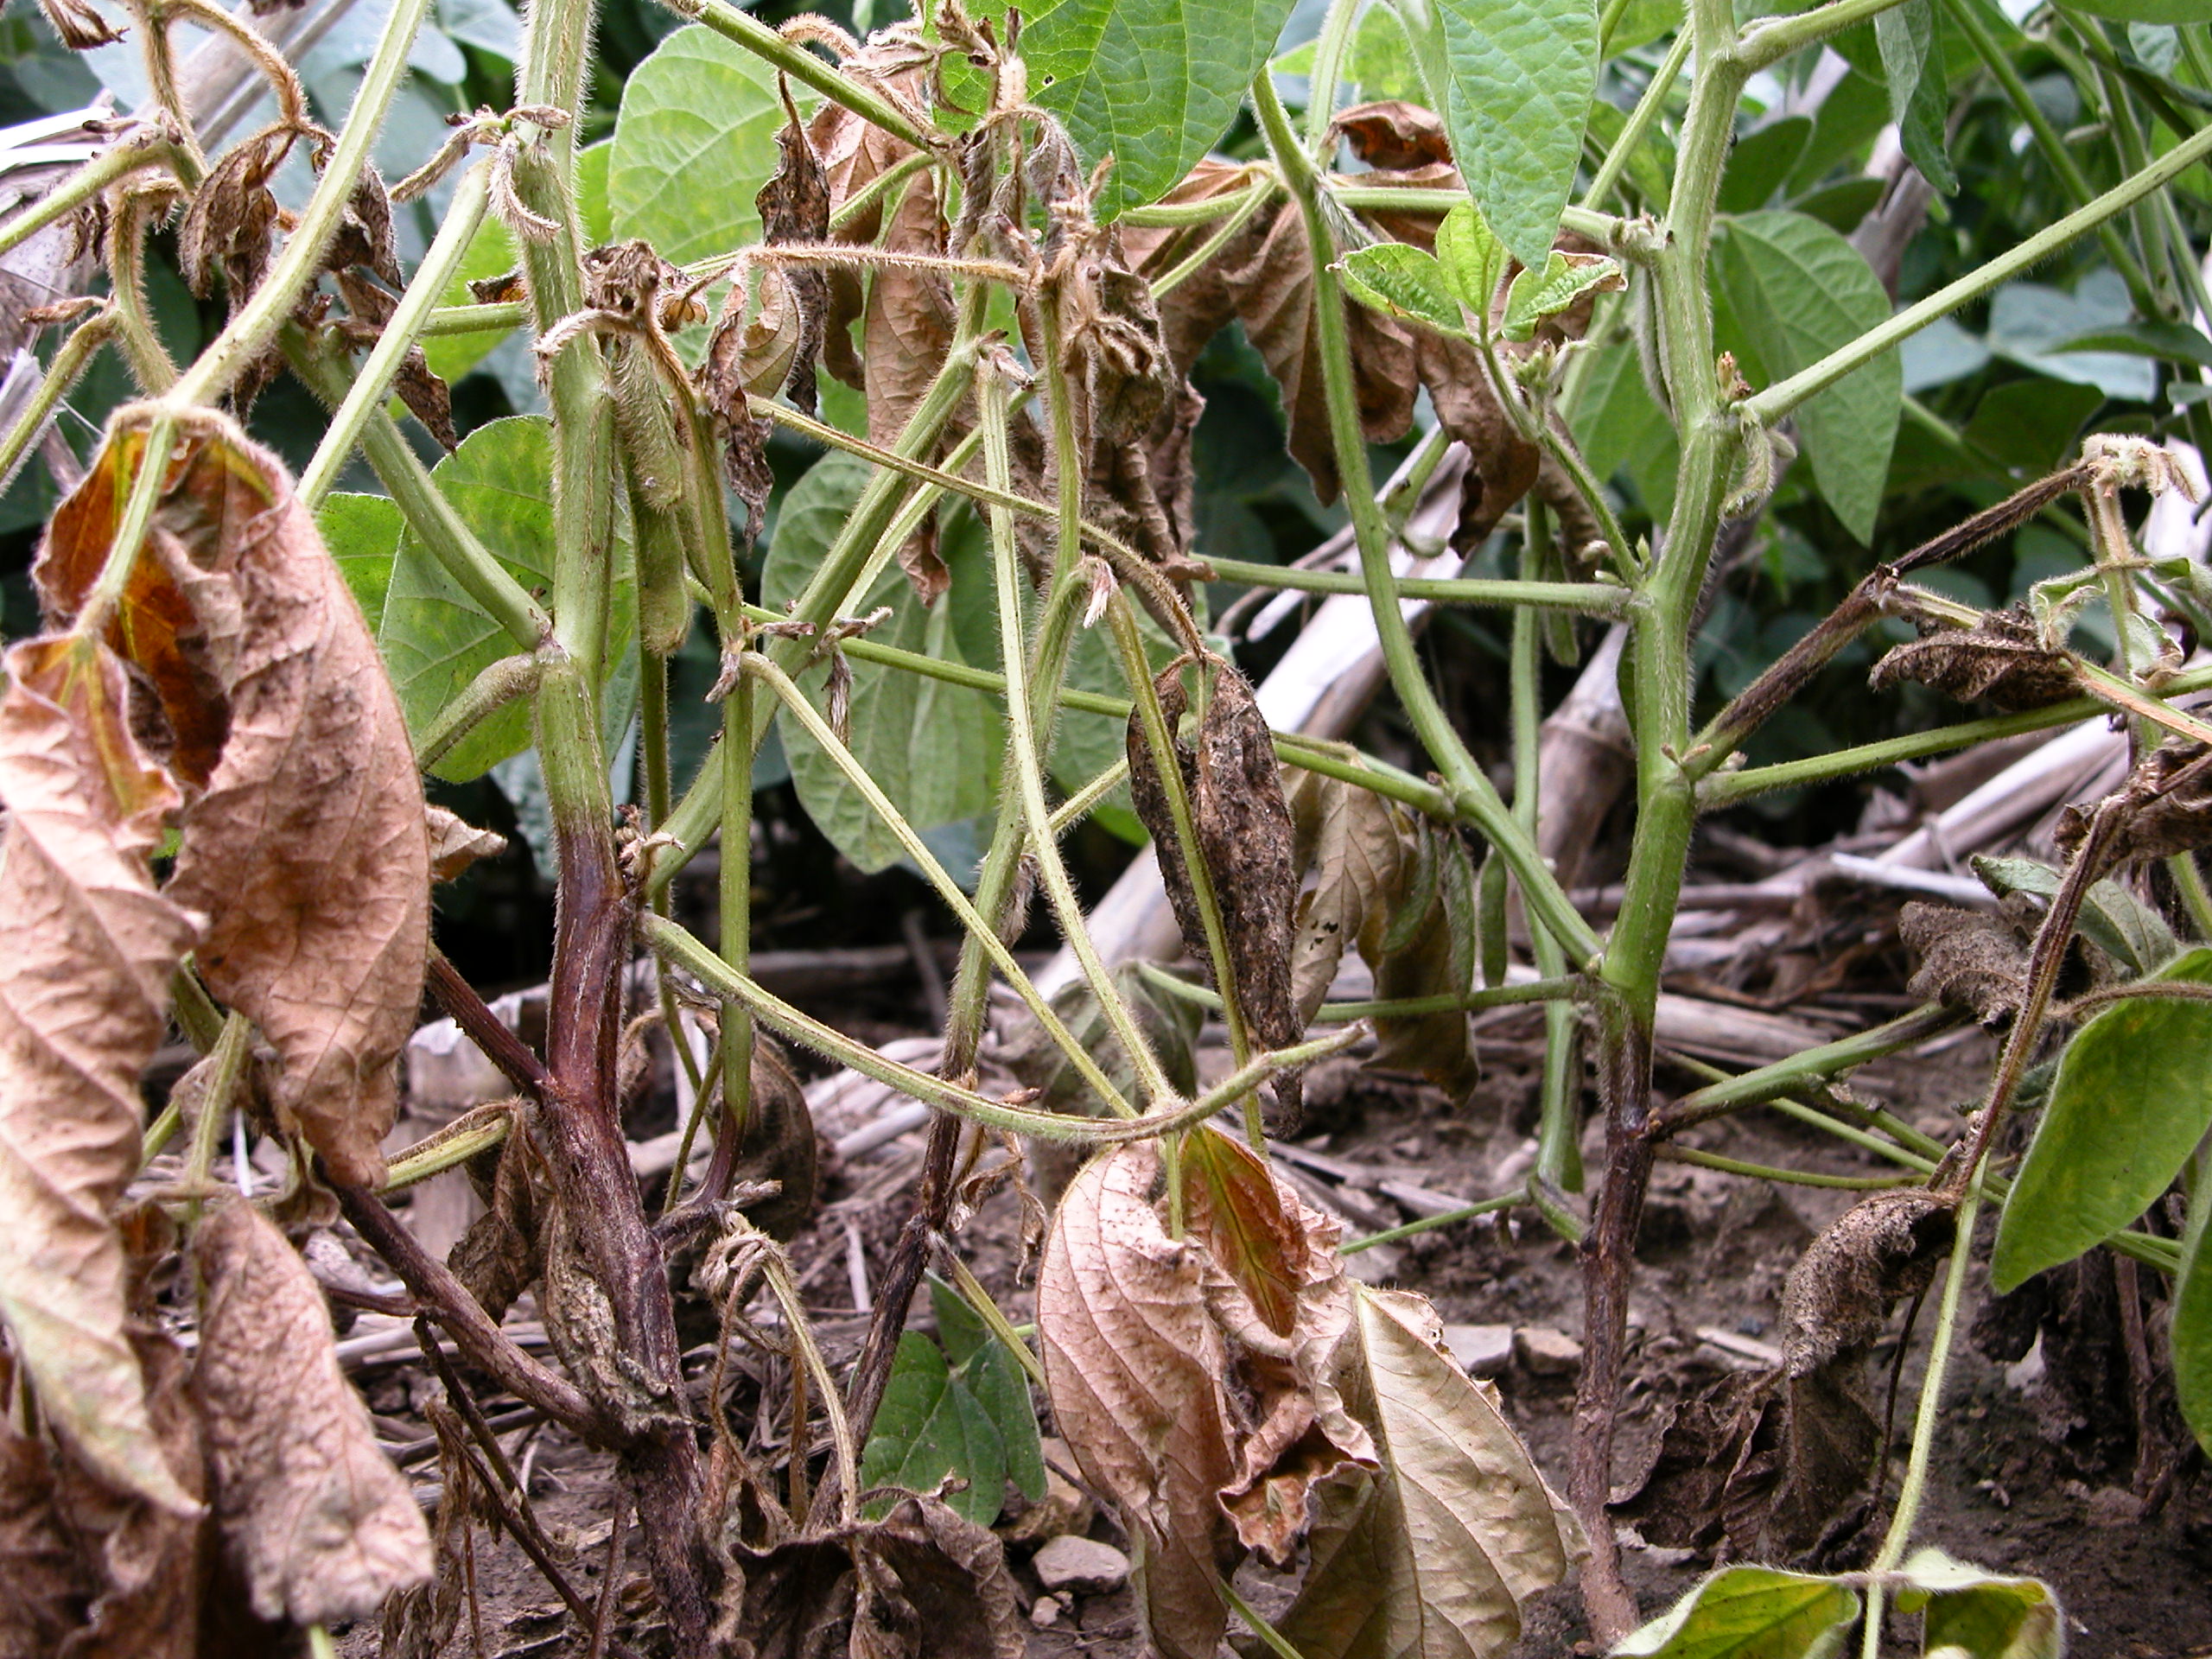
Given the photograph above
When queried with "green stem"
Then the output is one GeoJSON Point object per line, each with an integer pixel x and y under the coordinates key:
{"type": "Point", "coordinates": [74, 358]}
{"type": "Point", "coordinates": [993, 1318]}
{"type": "Point", "coordinates": [1771, 1172]}
{"type": "Point", "coordinates": [1430, 1223]}
{"type": "Point", "coordinates": [1604, 229]}
{"type": "Point", "coordinates": [372, 385]}
{"type": "Point", "coordinates": [1322, 83]}
{"type": "Point", "coordinates": [1778, 399]}
{"type": "Point", "coordinates": [1768, 43]}
{"type": "Point", "coordinates": [132, 154]}
{"type": "Point", "coordinates": [254, 327]}
{"type": "Point", "coordinates": [1400, 1008]}
{"type": "Point", "coordinates": [802, 66]}
{"type": "Point", "coordinates": [1641, 120]}
{"type": "Point", "coordinates": [1476, 798]}
{"type": "Point", "coordinates": [1749, 1088]}
{"type": "Point", "coordinates": [1585, 597]}
{"type": "Point", "coordinates": [1260, 195]}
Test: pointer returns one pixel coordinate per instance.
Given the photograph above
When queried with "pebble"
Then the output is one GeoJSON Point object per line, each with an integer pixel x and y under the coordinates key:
{"type": "Point", "coordinates": [1046, 1612]}
{"type": "Point", "coordinates": [1081, 1566]}
{"type": "Point", "coordinates": [1546, 1352]}
{"type": "Point", "coordinates": [1481, 1350]}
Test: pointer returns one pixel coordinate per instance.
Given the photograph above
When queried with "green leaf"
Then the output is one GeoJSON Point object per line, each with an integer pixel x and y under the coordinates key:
{"type": "Point", "coordinates": [2147, 11]}
{"type": "Point", "coordinates": [960, 1329]}
{"type": "Point", "coordinates": [2190, 1333]}
{"type": "Point", "coordinates": [2156, 337]}
{"type": "Point", "coordinates": [1474, 260]}
{"type": "Point", "coordinates": [2132, 1097]}
{"type": "Point", "coordinates": [1001, 1388]}
{"type": "Point", "coordinates": [933, 748]}
{"type": "Point", "coordinates": [930, 1426]}
{"type": "Point", "coordinates": [1977, 1615]}
{"type": "Point", "coordinates": [1153, 83]}
{"type": "Point", "coordinates": [695, 143]}
{"type": "Point", "coordinates": [2115, 920]}
{"type": "Point", "coordinates": [1788, 290]}
{"type": "Point", "coordinates": [436, 639]}
{"type": "Point", "coordinates": [1564, 279]}
{"type": "Point", "coordinates": [1621, 428]}
{"type": "Point", "coordinates": [362, 532]}
{"type": "Point", "coordinates": [1514, 80]}
{"type": "Point", "coordinates": [1403, 282]}
{"type": "Point", "coordinates": [1750, 1612]}
{"type": "Point", "coordinates": [1379, 62]}
{"type": "Point", "coordinates": [1920, 100]}
{"type": "Point", "coordinates": [1761, 161]}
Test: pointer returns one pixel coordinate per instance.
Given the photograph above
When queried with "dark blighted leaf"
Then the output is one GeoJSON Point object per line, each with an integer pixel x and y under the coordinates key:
{"type": "Point", "coordinates": [1968, 959]}
{"type": "Point", "coordinates": [2002, 660]}
{"type": "Point", "coordinates": [2132, 1097]}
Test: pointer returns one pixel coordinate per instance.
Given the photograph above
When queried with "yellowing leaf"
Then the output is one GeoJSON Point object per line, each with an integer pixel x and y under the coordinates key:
{"type": "Point", "coordinates": [84, 988]}
{"type": "Point", "coordinates": [1431, 1554]}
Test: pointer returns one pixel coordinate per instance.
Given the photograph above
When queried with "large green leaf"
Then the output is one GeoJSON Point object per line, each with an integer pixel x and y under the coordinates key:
{"type": "Point", "coordinates": [2132, 1097]}
{"type": "Point", "coordinates": [933, 748]}
{"type": "Point", "coordinates": [1978, 1615]}
{"type": "Point", "coordinates": [1750, 1612]}
{"type": "Point", "coordinates": [695, 143]}
{"type": "Point", "coordinates": [436, 639]}
{"type": "Point", "coordinates": [2147, 11]}
{"type": "Point", "coordinates": [1912, 58]}
{"type": "Point", "coordinates": [2191, 1331]}
{"type": "Point", "coordinates": [1513, 80]}
{"type": "Point", "coordinates": [1788, 291]}
{"type": "Point", "coordinates": [1151, 83]}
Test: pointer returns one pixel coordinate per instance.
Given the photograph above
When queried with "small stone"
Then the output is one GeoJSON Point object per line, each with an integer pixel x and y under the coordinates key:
{"type": "Point", "coordinates": [1045, 1612]}
{"type": "Point", "coordinates": [1546, 1352]}
{"type": "Point", "coordinates": [1080, 1566]}
{"type": "Point", "coordinates": [1481, 1350]}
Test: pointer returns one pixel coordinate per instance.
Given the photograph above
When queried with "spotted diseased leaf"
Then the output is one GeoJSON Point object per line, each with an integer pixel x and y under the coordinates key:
{"type": "Point", "coordinates": [323, 1525]}
{"type": "Point", "coordinates": [2001, 661]}
{"type": "Point", "coordinates": [2124, 928]}
{"type": "Point", "coordinates": [1183, 1404]}
{"type": "Point", "coordinates": [83, 998]}
{"type": "Point", "coordinates": [1243, 825]}
{"type": "Point", "coordinates": [304, 844]}
{"type": "Point", "coordinates": [1432, 1551]}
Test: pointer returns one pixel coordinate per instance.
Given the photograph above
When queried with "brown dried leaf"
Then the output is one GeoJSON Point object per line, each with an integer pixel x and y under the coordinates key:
{"type": "Point", "coordinates": [1431, 1553]}
{"type": "Point", "coordinates": [794, 207]}
{"type": "Point", "coordinates": [230, 228]}
{"type": "Point", "coordinates": [1180, 1397]}
{"type": "Point", "coordinates": [323, 1525]}
{"type": "Point", "coordinates": [1242, 821]}
{"type": "Point", "coordinates": [1503, 466]}
{"type": "Point", "coordinates": [80, 26]}
{"type": "Point", "coordinates": [455, 843]}
{"type": "Point", "coordinates": [780, 1145]}
{"type": "Point", "coordinates": [2003, 660]}
{"type": "Point", "coordinates": [1393, 136]}
{"type": "Point", "coordinates": [921, 1583]}
{"type": "Point", "coordinates": [2176, 817]}
{"type": "Point", "coordinates": [1967, 959]}
{"type": "Point", "coordinates": [306, 846]}
{"type": "Point", "coordinates": [1136, 1368]}
{"type": "Point", "coordinates": [82, 1000]}
{"type": "Point", "coordinates": [49, 1584]}
{"type": "Point", "coordinates": [1838, 1295]}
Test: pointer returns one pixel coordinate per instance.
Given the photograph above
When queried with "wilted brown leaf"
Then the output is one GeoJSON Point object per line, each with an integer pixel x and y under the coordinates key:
{"type": "Point", "coordinates": [794, 207]}
{"type": "Point", "coordinates": [1182, 1401]}
{"type": "Point", "coordinates": [305, 844]}
{"type": "Point", "coordinates": [2175, 815]}
{"type": "Point", "coordinates": [455, 843]}
{"type": "Point", "coordinates": [1967, 959]}
{"type": "Point", "coordinates": [230, 226]}
{"type": "Point", "coordinates": [1243, 822]}
{"type": "Point", "coordinates": [48, 1584]}
{"type": "Point", "coordinates": [921, 1583]}
{"type": "Point", "coordinates": [2003, 661]}
{"type": "Point", "coordinates": [80, 26]}
{"type": "Point", "coordinates": [83, 996]}
{"type": "Point", "coordinates": [1431, 1554]}
{"type": "Point", "coordinates": [323, 1527]}
{"type": "Point", "coordinates": [780, 1145]}
{"type": "Point", "coordinates": [1401, 893]}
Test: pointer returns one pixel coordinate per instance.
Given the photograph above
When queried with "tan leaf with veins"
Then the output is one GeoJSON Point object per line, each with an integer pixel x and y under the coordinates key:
{"type": "Point", "coordinates": [84, 989]}
{"type": "Point", "coordinates": [306, 845]}
{"type": "Point", "coordinates": [1136, 1368]}
{"type": "Point", "coordinates": [322, 1524]}
{"type": "Point", "coordinates": [1430, 1557]}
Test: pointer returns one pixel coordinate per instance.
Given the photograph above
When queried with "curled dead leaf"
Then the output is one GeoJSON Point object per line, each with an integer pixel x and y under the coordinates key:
{"type": "Point", "coordinates": [322, 1524]}
{"type": "Point", "coordinates": [455, 843]}
{"type": "Point", "coordinates": [1234, 786]}
{"type": "Point", "coordinates": [83, 997]}
{"type": "Point", "coordinates": [2174, 815]}
{"type": "Point", "coordinates": [2002, 661]}
{"type": "Point", "coordinates": [304, 841]}
{"type": "Point", "coordinates": [1967, 960]}
{"type": "Point", "coordinates": [794, 206]}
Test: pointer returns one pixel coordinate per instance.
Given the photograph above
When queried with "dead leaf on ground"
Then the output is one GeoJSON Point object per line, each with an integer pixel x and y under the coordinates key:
{"type": "Point", "coordinates": [921, 1583]}
{"type": "Point", "coordinates": [321, 1523]}
{"type": "Point", "coordinates": [83, 997]}
{"type": "Point", "coordinates": [1774, 1463]}
{"type": "Point", "coordinates": [1234, 786]}
{"type": "Point", "coordinates": [305, 840]}
{"type": "Point", "coordinates": [1434, 1551]}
